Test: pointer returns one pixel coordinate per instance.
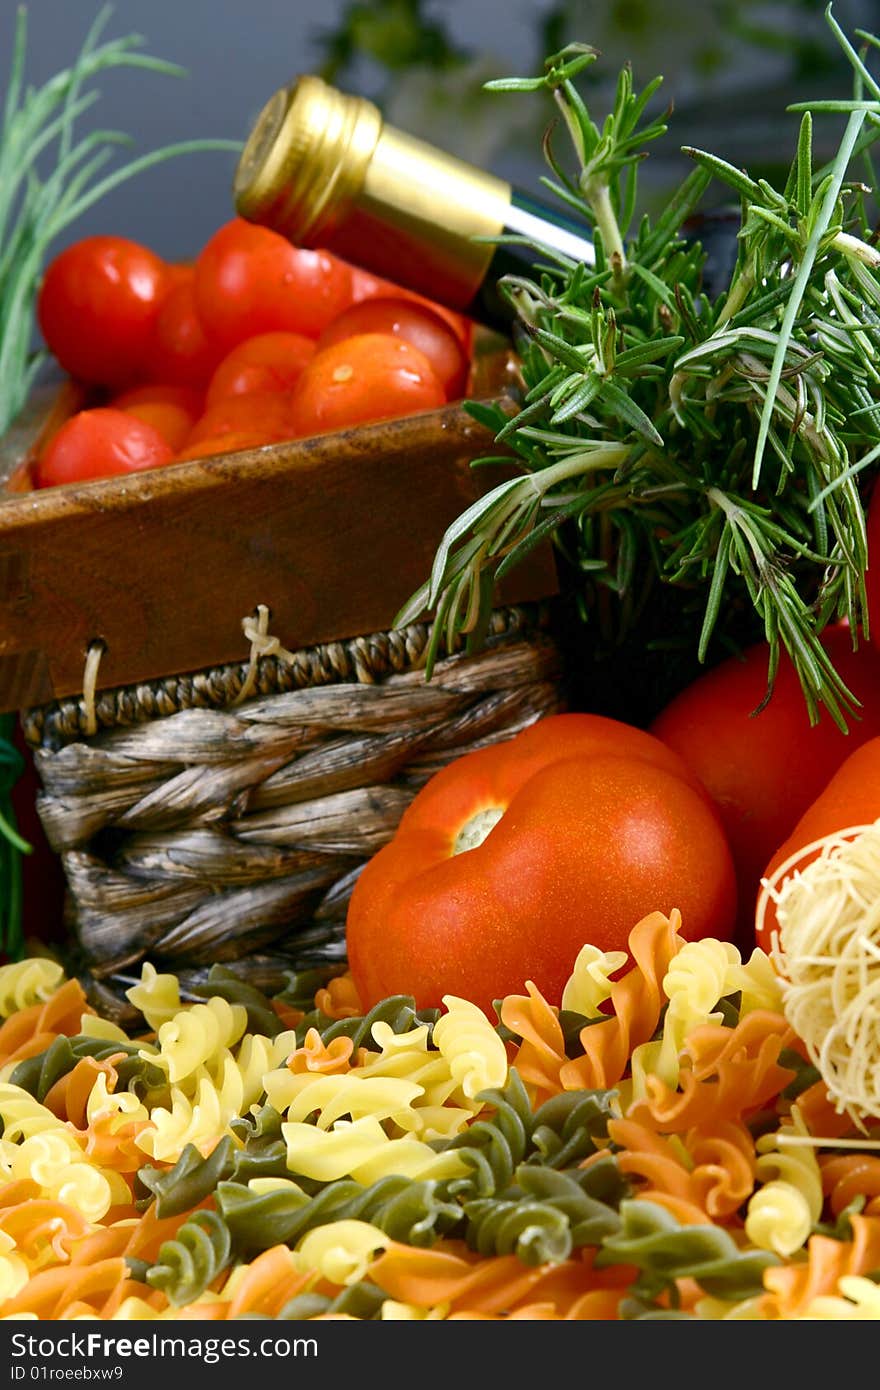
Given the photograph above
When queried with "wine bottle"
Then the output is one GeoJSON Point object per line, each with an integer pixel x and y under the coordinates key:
{"type": "Point", "coordinates": [326, 170]}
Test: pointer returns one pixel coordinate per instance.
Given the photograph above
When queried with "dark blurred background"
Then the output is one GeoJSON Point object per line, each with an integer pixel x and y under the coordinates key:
{"type": "Point", "coordinates": [730, 66]}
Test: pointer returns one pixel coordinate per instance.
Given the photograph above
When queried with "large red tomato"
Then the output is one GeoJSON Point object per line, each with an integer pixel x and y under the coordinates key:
{"type": "Point", "coordinates": [849, 800]}
{"type": "Point", "coordinates": [97, 306]}
{"type": "Point", "coordinates": [512, 858]}
{"type": "Point", "coordinates": [763, 770]}
{"type": "Point", "coordinates": [250, 280]}
{"type": "Point", "coordinates": [365, 285]}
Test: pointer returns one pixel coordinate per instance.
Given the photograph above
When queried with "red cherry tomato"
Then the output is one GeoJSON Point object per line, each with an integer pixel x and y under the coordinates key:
{"type": "Point", "coordinates": [763, 770]}
{"type": "Point", "coordinates": [250, 280]}
{"type": "Point", "coordinates": [415, 324]}
{"type": "Point", "coordinates": [229, 442]}
{"type": "Point", "coordinates": [594, 824]}
{"type": "Point", "coordinates": [373, 376]}
{"type": "Point", "coordinates": [180, 350]}
{"type": "Point", "coordinates": [100, 443]}
{"type": "Point", "coordinates": [97, 305]}
{"type": "Point", "coordinates": [872, 573]}
{"type": "Point", "coordinates": [266, 414]}
{"type": "Point", "coordinates": [365, 286]}
{"type": "Point", "coordinates": [172, 410]}
{"type": "Point", "coordinates": [269, 362]}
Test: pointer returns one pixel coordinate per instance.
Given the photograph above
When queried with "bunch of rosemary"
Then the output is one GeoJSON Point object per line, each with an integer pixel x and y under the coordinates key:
{"type": "Point", "coordinates": [715, 451]}
{"type": "Point", "coordinates": [39, 125]}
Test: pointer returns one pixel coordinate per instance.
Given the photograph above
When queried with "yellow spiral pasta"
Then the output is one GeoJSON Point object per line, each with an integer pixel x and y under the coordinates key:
{"type": "Point", "coordinates": [472, 1048]}
{"type": "Point", "coordinates": [589, 984]}
{"type": "Point", "coordinates": [783, 1211]}
{"type": "Point", "coordinates": [361, 1149]}
{"type": "Point", "coordinates": [341, 1251]}
{"type": "Point", "coordinates": [27, 982]}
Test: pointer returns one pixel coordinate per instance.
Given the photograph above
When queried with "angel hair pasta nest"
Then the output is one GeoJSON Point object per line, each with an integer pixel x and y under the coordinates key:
{"type": "Point", "coordinates": [642, 1148]}
{"type": "Point", "coordinates": [827, 952]}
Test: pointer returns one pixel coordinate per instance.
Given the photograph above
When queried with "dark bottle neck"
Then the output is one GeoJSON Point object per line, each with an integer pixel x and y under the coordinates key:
{"type": "Point", "coordinates": [539, 225]}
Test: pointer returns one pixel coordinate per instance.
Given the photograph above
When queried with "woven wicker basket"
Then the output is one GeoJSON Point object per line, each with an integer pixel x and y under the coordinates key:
{"type": "Point", "coordinates": [195, 830]}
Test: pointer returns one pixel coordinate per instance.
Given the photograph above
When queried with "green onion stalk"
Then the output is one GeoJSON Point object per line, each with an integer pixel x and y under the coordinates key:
{"type": "Point", "coordinates": [49, 176]}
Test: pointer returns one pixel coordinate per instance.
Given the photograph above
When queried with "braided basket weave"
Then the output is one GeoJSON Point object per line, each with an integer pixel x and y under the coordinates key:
{"type": "Point", "coordinates": [194, 830]}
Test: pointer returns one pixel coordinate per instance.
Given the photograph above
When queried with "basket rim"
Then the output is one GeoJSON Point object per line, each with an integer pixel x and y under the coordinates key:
{"type": "Point", "coordinates": [366, 659]}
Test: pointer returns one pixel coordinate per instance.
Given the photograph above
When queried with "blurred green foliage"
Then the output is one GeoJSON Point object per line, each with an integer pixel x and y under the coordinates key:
{"type": "Point", "coordinates": [729, 67]}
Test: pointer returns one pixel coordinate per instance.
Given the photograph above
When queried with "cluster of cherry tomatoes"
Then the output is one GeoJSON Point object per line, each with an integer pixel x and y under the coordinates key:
{"type": "Point", "coordinates": [255, 342]}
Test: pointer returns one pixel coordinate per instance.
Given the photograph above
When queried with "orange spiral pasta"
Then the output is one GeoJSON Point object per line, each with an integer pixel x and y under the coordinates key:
{"type": "Point", "coordinates": [317, 1056]}
{"type": "Point", "coordinates": [635, 1003]}
{"type": "Point", "coordinates": [726, 1072]}
{"type": "Point", "coordinates": [42, 1228]}
{"type": "Point", "coordinates": [710, 1172]}
{"type": "Point", "coordinates": [50, 1293]}
{"type": "Point", "coordinates": [68, 1097]}
{"type": "Point", "coordinates": [31, 1030]}
{"type": "Point", "coordinates": [339, 997]}
{"type": "Point", "coordinates": [792, 1288]}
{"type": "Point", "coordinates": [539, 1056]}
{"type": "Point", "coordinates": [452, 1277]}
{"type": "Point", "coordinates": [847, 1177]}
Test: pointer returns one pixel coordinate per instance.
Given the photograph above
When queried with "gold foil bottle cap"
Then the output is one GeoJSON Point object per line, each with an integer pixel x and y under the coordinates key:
{"type": "Point", "coordinates": [306, 160]}
{"type": "Point", "coordinates": [323, 169]}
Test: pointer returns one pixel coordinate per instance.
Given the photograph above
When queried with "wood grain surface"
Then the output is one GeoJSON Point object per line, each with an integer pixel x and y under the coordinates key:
{"type": "Point", "coordinates": [333, 534]}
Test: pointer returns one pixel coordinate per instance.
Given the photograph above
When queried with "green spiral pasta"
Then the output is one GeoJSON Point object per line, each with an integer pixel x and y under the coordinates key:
{"type": "Point", "coordinates": [493, 1149]}
{"type": "Point", "coordinates": [136, 1072]}
{"type": "Point", "coordinates": [566, 1127]}
{"type": "Point", "coordinates": [398, 1011]}
{"type": "Point", "coordinates": [193, 1177]}
{"type": "Point", "coordinates": [362, 1300]}
{"type": "Point", "coordinates": [223, 983]}
{"type": "Point", "coordinates": [190, 1181]}
{"type": "Point", "coordinates": [188, 1264]}
{"type": "Point", "coordinates": [536, 1232]}
{"type": "Point", "coordinates": [561, 1133]}
{"type": "Point", "coordinates": [417, 1213]}
{"type": "Point", "coordinates": [543, 1217]}
{"type": "Point", "coordinates": [249, 1221]}
{"type": "Point", "coordinates": [653, 1240]}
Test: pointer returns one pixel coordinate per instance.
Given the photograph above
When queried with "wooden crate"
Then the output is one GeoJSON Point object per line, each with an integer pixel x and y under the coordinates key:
{"type": "Point", "coordinates": [332, 534]}
{"type": "Point", "coordinates": [195, 828]}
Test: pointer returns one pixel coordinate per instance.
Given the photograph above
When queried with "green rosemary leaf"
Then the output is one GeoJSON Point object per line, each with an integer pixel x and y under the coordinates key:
{"type": "Point", "coordinates": [539, 533]}
{"type": "Point", "coordinates": [624, 408]}
{"type": "Point", "coordinates": [827, 201]}
{"type": "Point", "coordinates": [684, 201]}
{"type": "Point", "coordinates": [728, 173]}
{"type": "Point", "coordinates": [867, 107]}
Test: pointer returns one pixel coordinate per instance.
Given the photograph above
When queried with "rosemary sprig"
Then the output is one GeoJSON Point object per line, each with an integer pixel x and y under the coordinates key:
{"type": "Point", "coordinates": [719, 447]}
{"type": "Point", "coordinates": [35, 208]}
